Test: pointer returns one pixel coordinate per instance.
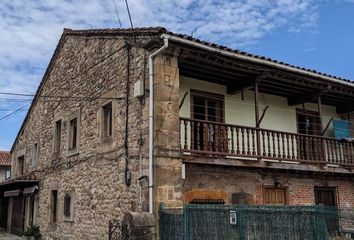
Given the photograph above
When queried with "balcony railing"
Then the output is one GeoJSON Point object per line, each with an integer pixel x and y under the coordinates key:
{"type": "Point", "coordinates": [214, 139]}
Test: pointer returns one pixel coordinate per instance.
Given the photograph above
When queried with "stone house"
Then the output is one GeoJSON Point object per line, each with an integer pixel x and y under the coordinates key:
{"type": "Point", "coordinates": [125, 120]}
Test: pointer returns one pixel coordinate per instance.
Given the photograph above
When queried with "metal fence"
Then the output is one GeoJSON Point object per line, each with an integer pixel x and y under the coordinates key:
{"type": "Point", "coordinates": [214, 222]}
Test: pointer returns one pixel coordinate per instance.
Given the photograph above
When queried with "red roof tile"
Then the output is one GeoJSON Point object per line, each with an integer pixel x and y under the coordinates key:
{"type": "Point", "coordinates": [5, 158]}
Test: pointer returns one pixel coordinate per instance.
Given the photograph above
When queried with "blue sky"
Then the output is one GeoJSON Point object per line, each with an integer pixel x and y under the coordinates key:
{"type": "Point", "coordinates": [316, 34]}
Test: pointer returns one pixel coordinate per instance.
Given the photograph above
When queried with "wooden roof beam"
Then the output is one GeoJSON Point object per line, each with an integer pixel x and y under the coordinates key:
{"type": "Point", "coordinates": [296, 100]}
{"type": "Point", "coordinates": [345, 108]}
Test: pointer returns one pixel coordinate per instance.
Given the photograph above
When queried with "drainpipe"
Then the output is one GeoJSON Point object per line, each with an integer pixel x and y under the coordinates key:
{"type": "Point", "coordinates": [151, 121]}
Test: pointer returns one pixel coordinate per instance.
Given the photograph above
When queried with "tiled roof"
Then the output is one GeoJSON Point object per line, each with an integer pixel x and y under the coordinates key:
{"type": "Point", "coordinates": [5, 158]}
{"type": "Point", "coordinates": [187, 37]}
{"type": "Point", "coordinates": [160, 30]}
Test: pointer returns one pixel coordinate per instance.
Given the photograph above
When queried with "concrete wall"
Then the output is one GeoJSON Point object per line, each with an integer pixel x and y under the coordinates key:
{"type": "Point", "coordinates": [279, 116]}
{"type": "Point", "coordinates": [231, 180]}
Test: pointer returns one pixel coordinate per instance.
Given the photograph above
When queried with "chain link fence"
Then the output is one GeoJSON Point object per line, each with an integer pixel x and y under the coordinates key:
{"type": "Point", "coordinates": [214, 222]}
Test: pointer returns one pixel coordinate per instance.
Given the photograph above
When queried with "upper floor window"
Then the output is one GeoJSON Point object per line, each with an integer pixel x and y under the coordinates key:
{"type": "Point", "coordinates": [107, 120]}
{"type": "Point", "coordinates": [8, 173]}
{"type": "Point", "coordinates": [34, 154]}
{"type": "Point", "coordinates": [73, 134]}
{"type": "Point", "coordinates": [57, 136]}
{"type": "Point", "coordinates": [20, 165]}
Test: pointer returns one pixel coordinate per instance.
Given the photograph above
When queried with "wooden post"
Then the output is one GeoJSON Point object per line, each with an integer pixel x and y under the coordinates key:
{"type": "Point", "coordinates": [319, 106]}
{"type": "Point", "coordinates": [256, 105]}
{"type": "Point", "coordinates": [321, 151]}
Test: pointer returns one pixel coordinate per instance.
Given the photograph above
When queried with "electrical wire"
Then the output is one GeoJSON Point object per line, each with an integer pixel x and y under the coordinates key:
{"type": "Point", "coordinates": [13, 113]}
{"type": "Point", "coordinates": [130, 18]}
{"type": "Point", "coordinates": [116, 10]}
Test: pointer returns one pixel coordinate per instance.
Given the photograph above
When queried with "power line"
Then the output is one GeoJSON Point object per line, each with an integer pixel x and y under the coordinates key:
{"type": "Point", "coordinates": [14, 112]}
{"type": "Point", "coordinates": [116, 10]}
{"type": "Point", "coordinates": [53, 96]}
{"type": "Point", "coordinates": [130, 18]}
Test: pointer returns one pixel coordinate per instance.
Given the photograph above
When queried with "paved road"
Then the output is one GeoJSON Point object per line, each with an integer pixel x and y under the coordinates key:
{"type": "Point", "coordinates": [7, 236]}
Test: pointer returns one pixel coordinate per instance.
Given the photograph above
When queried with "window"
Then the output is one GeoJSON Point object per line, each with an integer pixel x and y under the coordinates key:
{"type": "Point", "coordinates": [57, 136]}
{"type": "Point", "coordinates": [67, 205]}
{"type": "Point", "coordinates": [275, 196]}
{"type": "Point", "coordinates": [20, 165]}
{"type": "Point", "coordinates": [54, 205]}
{"type": "Point", "coordinates": [69, 199]}
{"type": "Point", "coordinates": [73, 134]}
{"type": "Point", "coordinates": [107, 120]}
{"type": "Point", "coordinates": [326, 196]}
{"type": "Point", "coordinates": [34, 154]}
{"type": "Point", "coordinates": [8, 173]}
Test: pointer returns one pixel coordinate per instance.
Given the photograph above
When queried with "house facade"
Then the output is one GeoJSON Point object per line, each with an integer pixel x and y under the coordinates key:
{"type": "Point", "coordinates": [217, 125]}
{"type": "Point", "coordinates": [5, 165]}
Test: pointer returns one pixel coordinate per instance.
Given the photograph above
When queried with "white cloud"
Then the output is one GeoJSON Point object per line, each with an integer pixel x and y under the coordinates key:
{"type": "Point", "coordinates": [29, 30]}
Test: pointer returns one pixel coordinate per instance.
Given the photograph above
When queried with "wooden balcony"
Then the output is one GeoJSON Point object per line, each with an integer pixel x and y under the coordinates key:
{"type": "Point", "coordinates": [212, 139]}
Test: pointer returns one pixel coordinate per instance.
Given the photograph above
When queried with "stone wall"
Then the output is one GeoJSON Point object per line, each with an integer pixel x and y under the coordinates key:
{"type": "Point", "coordinates": [300, 187]}
{"type": "Point", "coordinates": [87, 67]}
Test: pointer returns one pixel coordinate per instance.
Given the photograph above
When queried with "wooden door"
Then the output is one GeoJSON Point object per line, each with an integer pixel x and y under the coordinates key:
{"type": "Point", "coordinates": [308, 123]}
{"type": "Point", "coordinates": [3, 212]}
{"type": "Point", "coordinates": [207, 134]}
{"type": "Point", "coordinates": [327, 196]}
{"type": "Point", "coordinates": [17, 219]}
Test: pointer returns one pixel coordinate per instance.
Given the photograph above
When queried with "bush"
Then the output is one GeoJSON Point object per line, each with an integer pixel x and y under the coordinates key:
{"type": "Point", "coordinates": [32, 231]}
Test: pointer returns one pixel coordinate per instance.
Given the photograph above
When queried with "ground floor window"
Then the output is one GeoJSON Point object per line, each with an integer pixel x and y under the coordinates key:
{"type": "Point", "coordinates": [54, 205]}
{"type": "Point", "coordinates": [326, 196]}
{"type": "Point", "coordinates": [275, 196]}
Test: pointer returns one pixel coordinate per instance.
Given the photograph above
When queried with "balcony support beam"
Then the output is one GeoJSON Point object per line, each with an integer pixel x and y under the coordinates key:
{"type": "Point", "coordinates": [256, 105]}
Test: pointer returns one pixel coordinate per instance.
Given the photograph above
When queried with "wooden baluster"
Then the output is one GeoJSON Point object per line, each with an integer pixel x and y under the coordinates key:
{"type": "Point", "coordinates": [350, 158]}
{"type": "Point", "coordinates": [298, 147]}
{"type": "Point", "coordinates": [243, 141]}
{"type": "Point", "coordinates": [337, 151]}
{"type": "Point", "coordinates": [283, 145]}
{"type": "Point", "coordinates": [306, 148]}
{"type": "Point", "coordinates": [198, 135]}
{"type": "Point", "coordinates": [225, 139]}
{"type": "Point", "coordinates": [219, 135]}
{"type": "Point", "coordinates": [274, 144]}
{"type": "Point", "coordinates": [315, 148]}
{"type": "Point", "coordinates": [193, 146]}
{"type": "Point", "coordinates": [237, 141]}
{"type": "Point", "coordinates": [319, 149]}
{"type": "Point", "coordinates": [263, 144]}
{"type": "Point", "coordinates": [248, 142]}
{"type": "Point", "coordinates": [292, 146]}
{"type": "Point", "coordinates": [185, 134]}
{"type": "Point", "coordinates": [232, 140]}
{"type": "Point", "coordinates": [253, 132]}
{"type": "Point", "coordinates": [288, 145]}
{"type": "Point", "coordinates": [209, 128]}
{"type": "Point", "coordinates": [325, 150]}
{"type": "Point", "coordinates": [268, 144]}
{"type": "Point", "coordinates": [330, 147]}
{"type": "Point", "coordinates": [279, 149]}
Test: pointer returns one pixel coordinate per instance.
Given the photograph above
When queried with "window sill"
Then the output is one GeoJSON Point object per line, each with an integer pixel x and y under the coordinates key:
{"type": "Point", "coordinates": [72, 152]}
{"type": "Point", "coordinates": [68, 220]}
{"type": "Point", "coordinates": [106, 139]}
